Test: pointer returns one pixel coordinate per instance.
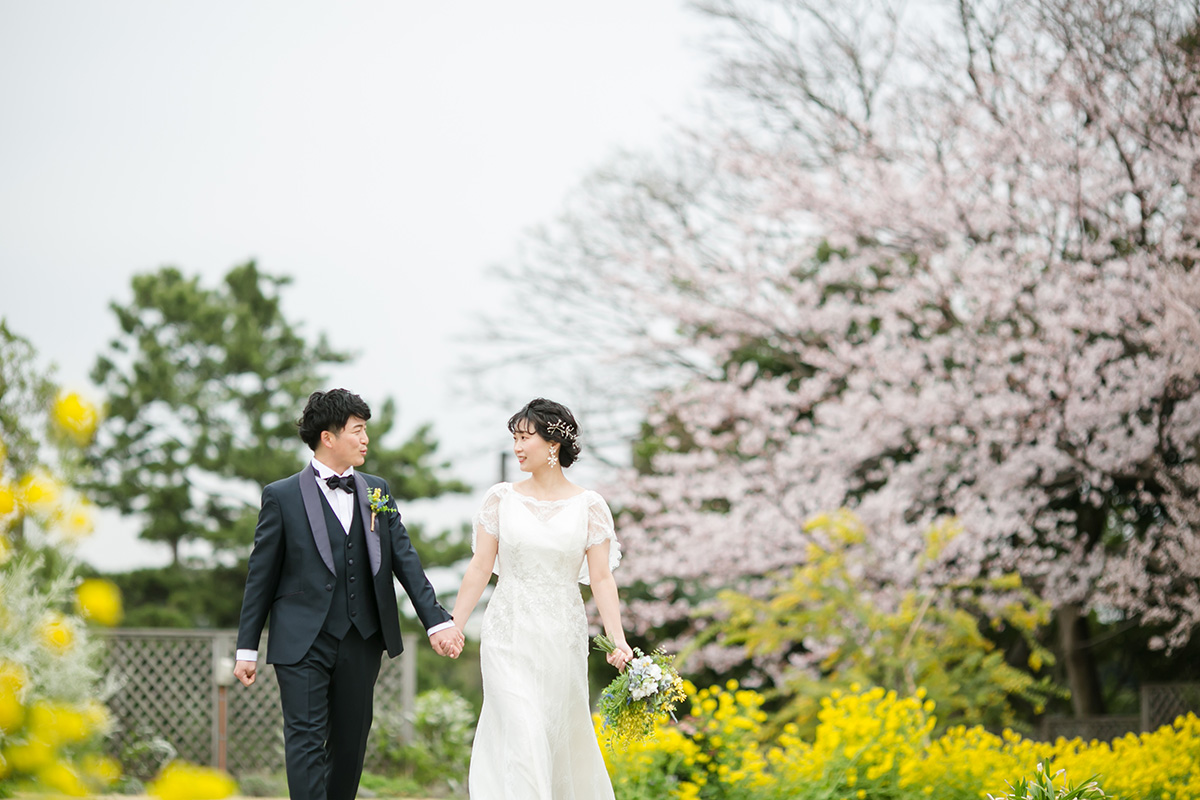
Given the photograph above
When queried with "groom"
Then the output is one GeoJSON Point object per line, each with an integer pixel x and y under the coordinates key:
{"type": "Point", "coordinates": [322, 568]}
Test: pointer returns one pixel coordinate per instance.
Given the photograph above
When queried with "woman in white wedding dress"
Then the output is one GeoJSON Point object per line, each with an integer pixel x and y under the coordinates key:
{"type": "Point", "coordinates": [543, 537]}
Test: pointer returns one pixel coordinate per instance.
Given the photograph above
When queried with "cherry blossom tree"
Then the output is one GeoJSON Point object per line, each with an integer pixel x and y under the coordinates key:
{"type": "Point", "coordinates": [940, 264]}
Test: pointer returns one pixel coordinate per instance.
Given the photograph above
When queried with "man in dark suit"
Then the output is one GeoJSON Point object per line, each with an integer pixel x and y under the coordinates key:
{"type": "Point", "coordinates": [322, 569]}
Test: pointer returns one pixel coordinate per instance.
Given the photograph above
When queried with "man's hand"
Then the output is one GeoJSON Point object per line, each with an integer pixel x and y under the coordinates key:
{"type": "Point", "coordinates": [448, 642]}
{"type": "Point", "coordinates": [244, 671]}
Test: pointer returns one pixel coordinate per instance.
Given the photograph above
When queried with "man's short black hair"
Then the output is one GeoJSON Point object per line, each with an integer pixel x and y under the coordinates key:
{"type": "Point", "coordinates": [329, 411]}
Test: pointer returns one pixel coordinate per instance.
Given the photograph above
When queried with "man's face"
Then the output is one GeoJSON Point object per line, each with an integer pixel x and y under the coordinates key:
{"type": "Point", "coordinates": [348, 447]}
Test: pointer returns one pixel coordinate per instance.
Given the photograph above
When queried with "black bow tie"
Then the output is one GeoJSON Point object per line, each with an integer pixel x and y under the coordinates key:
{"type": "Point", "coordinates": [343, 482]}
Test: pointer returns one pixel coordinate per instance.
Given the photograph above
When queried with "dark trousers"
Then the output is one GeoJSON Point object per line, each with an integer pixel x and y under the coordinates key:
{"type": "Point", "coordinates": [327, 700]}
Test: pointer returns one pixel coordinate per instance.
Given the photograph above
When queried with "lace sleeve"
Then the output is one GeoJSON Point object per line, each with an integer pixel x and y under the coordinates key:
{"type": "Point", "coordinates": [600, 530]}
{"type": "Point", "coordinates": [487, 518]}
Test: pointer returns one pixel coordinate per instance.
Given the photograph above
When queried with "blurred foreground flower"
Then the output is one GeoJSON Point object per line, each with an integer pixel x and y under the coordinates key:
{"type": "Point", "coordinates": [75, 416]}
{"type": "Point", "coordinates": [182, 781]}
{"type": "Point", "coordinates": [100, 601]}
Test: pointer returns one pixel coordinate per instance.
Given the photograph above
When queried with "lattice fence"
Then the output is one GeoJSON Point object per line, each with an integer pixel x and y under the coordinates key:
{"type": "Point", "coordinates": [1161, 703]}
{"type": "Point", "coordinates": [177, 686]}
{"type": "Point", "coordinates": [1100, 728]}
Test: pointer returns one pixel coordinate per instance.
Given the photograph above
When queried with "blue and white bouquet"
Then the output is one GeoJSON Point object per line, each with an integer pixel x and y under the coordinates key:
{"type": "Point", "coordinates": [646, 692]}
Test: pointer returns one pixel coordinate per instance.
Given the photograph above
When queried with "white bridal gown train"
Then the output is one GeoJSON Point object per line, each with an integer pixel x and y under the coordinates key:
{"type": "Point", "coordinates": [535, 739]}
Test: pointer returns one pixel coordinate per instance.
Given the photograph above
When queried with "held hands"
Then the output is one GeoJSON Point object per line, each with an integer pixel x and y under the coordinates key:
{"type": "Point", "coordinates": [245, 671]}
{"type": "Point", "coordinates": [448, 642]}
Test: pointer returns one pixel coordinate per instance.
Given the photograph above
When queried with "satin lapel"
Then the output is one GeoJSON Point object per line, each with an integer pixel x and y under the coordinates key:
{"type": "Point", "coordinates": [316, 516]}
{"type": "Point", "coordinates": [365, 510]}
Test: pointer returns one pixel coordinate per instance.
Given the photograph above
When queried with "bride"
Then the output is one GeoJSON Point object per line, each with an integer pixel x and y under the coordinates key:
{"type": "Point", "coordinates": [542, 536]}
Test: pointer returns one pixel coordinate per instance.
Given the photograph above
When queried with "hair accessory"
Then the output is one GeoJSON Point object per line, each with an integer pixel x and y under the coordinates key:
{"type": "Point", "coordinates": [561, 429]}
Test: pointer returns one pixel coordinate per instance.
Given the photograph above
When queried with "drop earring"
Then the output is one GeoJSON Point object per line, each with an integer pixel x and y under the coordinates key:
{"type": "Point", "coordinates": [552, 459]}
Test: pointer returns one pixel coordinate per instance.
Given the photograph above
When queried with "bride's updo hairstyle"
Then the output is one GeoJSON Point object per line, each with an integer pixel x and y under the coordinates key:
{"type": "Point", "coordinates": [554, 422]}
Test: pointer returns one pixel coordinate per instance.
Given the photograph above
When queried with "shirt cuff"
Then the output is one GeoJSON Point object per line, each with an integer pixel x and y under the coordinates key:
{"type": "Point", "coordinates": [245, 655]}
{"type": "Point", "coordinates": [441, 626]}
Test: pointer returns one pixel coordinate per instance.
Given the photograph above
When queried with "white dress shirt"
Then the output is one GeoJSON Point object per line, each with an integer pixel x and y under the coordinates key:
{"type": "Point", "coordinates": [342, 503]}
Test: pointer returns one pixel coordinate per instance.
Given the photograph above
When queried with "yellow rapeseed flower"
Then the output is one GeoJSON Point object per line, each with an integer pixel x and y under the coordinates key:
{"type": "Point", "coordinates": [75, 416]}
{"type": "Point", "coordinates": [100, 601]}
{"type": "Point", "coordinates": [182, 781]}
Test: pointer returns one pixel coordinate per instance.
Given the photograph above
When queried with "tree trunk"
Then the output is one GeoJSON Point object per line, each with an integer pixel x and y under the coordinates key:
{"type": "Point", "coordinates": [1082, 678]}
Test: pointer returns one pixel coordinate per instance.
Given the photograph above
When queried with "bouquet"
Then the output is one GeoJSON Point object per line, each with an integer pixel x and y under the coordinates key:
{"type": "Point", "coordinates": [649, 687]}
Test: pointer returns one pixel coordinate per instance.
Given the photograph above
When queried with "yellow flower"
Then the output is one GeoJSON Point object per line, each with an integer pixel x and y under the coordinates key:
{"type": "Point", "coordinates": [101, 769]}
{"type": "Point", "coordinates": [77, 520]}
{"type": "Point", "coordinates": [57, 634]}
{"type": "Point", "coordinates": [61, 777]}
{"type": "Point", "coordinates": [182, 781]}
{"type": "Point", "coordinates": [8, 499]}
{"type": "Point", "coordinates": [60, 724]}
{"type": "Point", "coordinates": [38, 491]}
{"type": "Point", "coordinates": [12, 679]}
{"type": "Point", "coordinates": [29, 757]}
{"type": "Point", "coordinates": [100, 601]}
{"type": "Point", "coordinates": [75, 416]}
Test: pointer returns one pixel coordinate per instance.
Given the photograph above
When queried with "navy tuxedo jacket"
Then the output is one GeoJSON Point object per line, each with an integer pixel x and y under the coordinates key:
{"type": "Point", "coordinates": [291, 573]}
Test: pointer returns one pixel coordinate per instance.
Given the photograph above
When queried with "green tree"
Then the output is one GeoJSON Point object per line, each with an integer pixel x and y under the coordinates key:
{"type": "Point", "coordinates": [203, 386]}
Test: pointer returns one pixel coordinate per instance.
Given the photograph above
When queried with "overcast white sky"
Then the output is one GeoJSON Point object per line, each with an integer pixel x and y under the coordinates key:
{"type": "Point", "coordinates": [386, 155]}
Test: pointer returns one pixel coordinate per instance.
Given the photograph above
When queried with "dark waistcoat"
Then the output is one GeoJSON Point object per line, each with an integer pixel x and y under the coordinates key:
{"type": "Point", "coordinates": [353, 590]}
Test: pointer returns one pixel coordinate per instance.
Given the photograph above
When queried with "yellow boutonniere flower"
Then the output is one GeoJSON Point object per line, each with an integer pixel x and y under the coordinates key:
{"type": "Point", "coordinates": [379, 503]}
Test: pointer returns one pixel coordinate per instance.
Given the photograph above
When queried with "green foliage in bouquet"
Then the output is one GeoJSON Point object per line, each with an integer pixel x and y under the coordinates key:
{"type": "Point", "coordinates": [645, 692]}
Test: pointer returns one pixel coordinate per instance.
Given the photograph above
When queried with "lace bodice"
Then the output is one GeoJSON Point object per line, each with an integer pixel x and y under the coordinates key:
{"type": "Point", "coordinates": [553, 549]}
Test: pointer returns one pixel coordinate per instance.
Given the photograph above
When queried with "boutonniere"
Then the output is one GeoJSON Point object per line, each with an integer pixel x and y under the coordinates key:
{"type": "Point", "coordinates": [379, 504]}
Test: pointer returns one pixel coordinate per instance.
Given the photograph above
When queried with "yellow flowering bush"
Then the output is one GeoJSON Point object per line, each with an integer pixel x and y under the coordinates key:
{"type": "Point", "coordinates": [872, 743]}
{"type": "Point", "coordinates": [870, 631]}
{"type": "Point", "coordinates": [51, 727]}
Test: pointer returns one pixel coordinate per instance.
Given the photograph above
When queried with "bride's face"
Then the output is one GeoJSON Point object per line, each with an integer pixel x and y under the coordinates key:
{"type": "Point", "coordinates": [531, 450]}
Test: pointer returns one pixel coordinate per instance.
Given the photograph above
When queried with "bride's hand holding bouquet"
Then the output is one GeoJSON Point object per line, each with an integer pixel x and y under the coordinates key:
{"type": "Point", "coordinates": [647, 690]}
